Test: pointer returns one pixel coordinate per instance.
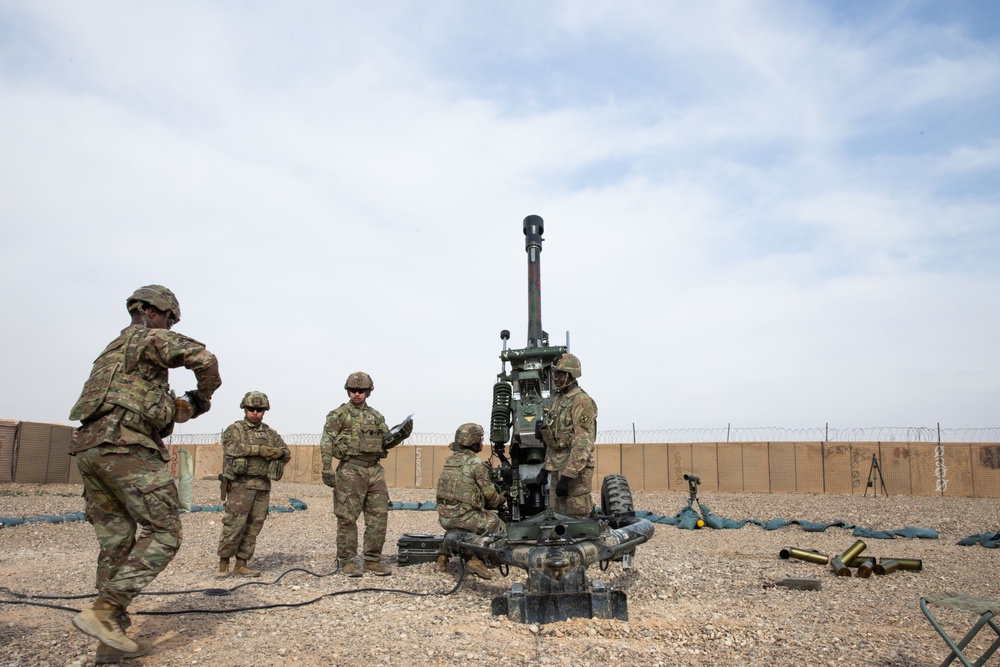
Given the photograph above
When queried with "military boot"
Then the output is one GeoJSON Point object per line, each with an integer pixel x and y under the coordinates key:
{"type": "Point", "coordinates": [478, 568]}
{"type": "Point", "coordinates": [376, 568]}
{"type": "Point", "coordinates": [223, 571]}
{"type": "Point", "coordinates": [442, 563]}
{"type": "Point", "coordinates": [350, 569]}
{"type": "Point", "coordinates": [242, 570]}
{"type": "Point", "coordinates": [107, 655]}
{"type": "Point", "coordinates": [100, 621]}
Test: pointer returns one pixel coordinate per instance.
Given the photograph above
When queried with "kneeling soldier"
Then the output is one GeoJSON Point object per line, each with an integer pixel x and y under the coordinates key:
{"type": "Point", "coordinates": [465, 493]}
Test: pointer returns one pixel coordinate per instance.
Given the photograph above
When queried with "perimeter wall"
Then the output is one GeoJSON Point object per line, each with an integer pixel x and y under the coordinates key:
{"type": "Point", "coordinates": [38, 453]}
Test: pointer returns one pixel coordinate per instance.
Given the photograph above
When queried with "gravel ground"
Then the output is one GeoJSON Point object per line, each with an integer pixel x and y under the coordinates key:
{"type": "Point", "coordinates": [694, 598]}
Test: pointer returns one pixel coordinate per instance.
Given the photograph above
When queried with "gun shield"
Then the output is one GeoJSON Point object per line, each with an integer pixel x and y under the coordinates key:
{"type": "Point", "coordinates": [808, 555]}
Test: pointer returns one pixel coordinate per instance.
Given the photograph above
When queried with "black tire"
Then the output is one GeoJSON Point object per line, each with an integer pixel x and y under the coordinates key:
{"type": "Point", "coordinates": [616, 496]}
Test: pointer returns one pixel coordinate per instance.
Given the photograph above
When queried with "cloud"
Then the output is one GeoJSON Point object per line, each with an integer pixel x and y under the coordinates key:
{"type": "Point", "coordinates": [766, 214]}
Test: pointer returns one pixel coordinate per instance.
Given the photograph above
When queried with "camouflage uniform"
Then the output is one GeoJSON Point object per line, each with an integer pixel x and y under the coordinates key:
{"type": "Point", "coordinates": [249, 492]}
{"type": "Point", "coordinates": [354, 436]}
{"type": "Point", "coordinates": [125, 405]}
{"type": "Point", "coordinates": [464, 493]}
{"type": "Point", "coordinates": [572, 422]}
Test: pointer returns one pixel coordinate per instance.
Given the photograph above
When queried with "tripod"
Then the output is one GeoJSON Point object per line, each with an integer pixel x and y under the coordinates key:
{"type": "Point", "coordinates": [875, 472]}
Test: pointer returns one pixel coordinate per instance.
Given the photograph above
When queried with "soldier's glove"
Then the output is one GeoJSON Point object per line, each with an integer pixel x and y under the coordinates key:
{"type": "Point", "coordinates": [543, 477]}
{"type": "Point", "coordinates": [200, 404]}
{"type": "Point", "coordinates": [270, 453]}
{"type": "Point", "coordinates": [328, 478]}
{"type": "Point", "coordinates": [562, 486]}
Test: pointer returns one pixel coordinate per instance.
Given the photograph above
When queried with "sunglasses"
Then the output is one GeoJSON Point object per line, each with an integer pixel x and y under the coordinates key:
{"type": "Point", "coordinates": [357, 391]}
{"type": "Point", "coordinates": [255, 409]}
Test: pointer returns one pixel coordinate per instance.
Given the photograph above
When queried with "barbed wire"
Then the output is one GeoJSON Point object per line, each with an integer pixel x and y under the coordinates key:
{"type": "Point", "coordinates": [683, 435]}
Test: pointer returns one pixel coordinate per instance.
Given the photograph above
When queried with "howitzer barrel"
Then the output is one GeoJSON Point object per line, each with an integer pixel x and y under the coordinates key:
{"type": "Point", "coordinates": [533, 229]}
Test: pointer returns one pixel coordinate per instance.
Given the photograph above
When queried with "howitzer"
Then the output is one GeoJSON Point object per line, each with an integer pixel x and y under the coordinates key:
{"type": "Point", "coordinates": [553, 548]}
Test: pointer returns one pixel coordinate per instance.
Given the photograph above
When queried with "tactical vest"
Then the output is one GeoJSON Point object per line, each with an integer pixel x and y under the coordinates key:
{"type": "Point", "coordinates": [562, 419]}
{"type": "Point", "coordinates": [253, 466]}
{"type": "Point", "coordinates": [113, 382]}
{"type": "Point", "coordinates": [457, 483]}
{"type": "Point", "coordinates": [364, 437]}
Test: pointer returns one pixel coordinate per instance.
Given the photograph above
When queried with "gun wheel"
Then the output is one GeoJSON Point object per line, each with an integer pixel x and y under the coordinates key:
{"type": "Point", "coordinates": [616, 496]}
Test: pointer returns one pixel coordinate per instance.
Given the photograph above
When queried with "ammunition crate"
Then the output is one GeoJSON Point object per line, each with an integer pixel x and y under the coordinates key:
{"type": "Point", "coordinates": [414, 548]}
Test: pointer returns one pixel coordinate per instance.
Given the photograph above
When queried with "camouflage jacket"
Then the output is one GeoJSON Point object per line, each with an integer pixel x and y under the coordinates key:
{"type": "Point", "coordinates": [241, 443]}
{"type": "Point", "coordinates": [465, 479]}
{"type": "Point", "coordinates": [572, 419]}
{"type": "Point", "coordinates": [352, 432]}
{"type": "Point", "coordinates": [127, 398]}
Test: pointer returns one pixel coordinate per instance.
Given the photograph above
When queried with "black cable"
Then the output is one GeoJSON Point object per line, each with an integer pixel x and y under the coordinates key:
{"type": "Point", "coordinates": [221, 592]}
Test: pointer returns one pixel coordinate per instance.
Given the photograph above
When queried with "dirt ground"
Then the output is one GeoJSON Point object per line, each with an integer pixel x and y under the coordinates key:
{"type": "Point", "coordinates": [695, 597]}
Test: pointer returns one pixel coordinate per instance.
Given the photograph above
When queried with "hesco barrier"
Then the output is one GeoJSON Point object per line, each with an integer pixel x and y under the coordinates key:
{"type": "Point", "coordinates": [37, 453]}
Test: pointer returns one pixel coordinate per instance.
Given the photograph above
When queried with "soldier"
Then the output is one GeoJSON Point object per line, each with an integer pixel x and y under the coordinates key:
{"type": "Point", "coordinates": [569, 430]}
{"type": "Point", "coordinates": [125, 410]}
{"type": "Point", "coordinates": [465, 491]}
{"type": "Point", "coordinates": [357, 435]}
{"type": "Point", "coordinates": [254, 455]}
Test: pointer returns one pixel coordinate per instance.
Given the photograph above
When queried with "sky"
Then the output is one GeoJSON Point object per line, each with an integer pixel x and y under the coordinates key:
{"type": "Point", "coordinates": [756, 213]}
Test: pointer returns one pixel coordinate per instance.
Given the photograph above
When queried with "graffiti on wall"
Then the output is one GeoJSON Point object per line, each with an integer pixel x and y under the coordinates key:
{"type": "Point", "coordinates": [940, 471]}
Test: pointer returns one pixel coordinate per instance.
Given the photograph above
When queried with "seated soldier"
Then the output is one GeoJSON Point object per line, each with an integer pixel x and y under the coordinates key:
{"type": "Point", "coordinates": [465, 493]}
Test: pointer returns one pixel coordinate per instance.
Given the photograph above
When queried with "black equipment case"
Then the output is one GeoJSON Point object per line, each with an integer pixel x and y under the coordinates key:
{"type": "Point", "coordinates": [414, 548]}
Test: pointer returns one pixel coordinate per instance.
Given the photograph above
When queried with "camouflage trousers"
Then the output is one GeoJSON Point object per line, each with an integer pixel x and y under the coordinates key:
{"type": "Point", "coordinates": [360, 489]}
{"type": "Point", "coordinates": [246, 510]}
{"type": "Point", "coordinates": [466, 517]}
{"type": "Point", "coordinates": [126, 487]}
{"type": "Point", "coordinates": [579, 502]}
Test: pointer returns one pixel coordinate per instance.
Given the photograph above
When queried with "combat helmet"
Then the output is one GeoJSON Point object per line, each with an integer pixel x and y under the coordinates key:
{"type": "Point", "coordinates": [255, 399]}
{"type": "Point", "coordinates": [568, 363]}
{"type": "Point", "coordinates": [158, 297]}
{"type": "Point", "coordinates": [360, 380]}
{"type": "Point", "coordinates": [469, 436]}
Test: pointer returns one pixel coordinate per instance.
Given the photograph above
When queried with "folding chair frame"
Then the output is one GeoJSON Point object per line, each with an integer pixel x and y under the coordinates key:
{"type": "Point", "coordinates": [956, 649]}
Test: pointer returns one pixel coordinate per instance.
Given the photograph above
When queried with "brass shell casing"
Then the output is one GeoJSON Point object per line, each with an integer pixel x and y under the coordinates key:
{"type": "Point", "coordinates": [839, 568]}
{"type": "Point", "coordinates": [804, 554]}
{"type": "Point", "coordinates": [853, 551]}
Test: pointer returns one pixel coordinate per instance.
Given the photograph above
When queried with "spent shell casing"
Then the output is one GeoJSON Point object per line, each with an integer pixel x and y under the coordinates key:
{"type": "Point", "coordinates": [886, 566]}
{"type": "Point", "coordinates": [809, 555]}
{"type": "Point", "coordinates": [839, 568]}
{"type": "Point", "coordinates": [853, 551]}
{"type": "Point", "coordinates": [865, 570]}
{"type": "Point", "coordinates": [858, 560]}
{"type": "Point", "coordinates": [912, 564]}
